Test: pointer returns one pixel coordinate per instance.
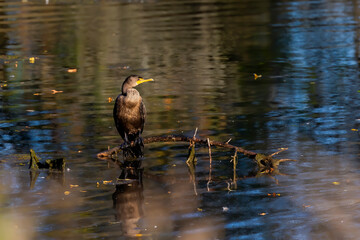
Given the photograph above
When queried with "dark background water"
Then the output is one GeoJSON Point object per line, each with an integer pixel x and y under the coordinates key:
{"type": "Point", "coordinates": [202, 55]}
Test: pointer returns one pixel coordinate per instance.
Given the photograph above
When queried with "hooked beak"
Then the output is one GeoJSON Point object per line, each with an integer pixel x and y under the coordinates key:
{"type": "Point", "coordinates": [141, 80]}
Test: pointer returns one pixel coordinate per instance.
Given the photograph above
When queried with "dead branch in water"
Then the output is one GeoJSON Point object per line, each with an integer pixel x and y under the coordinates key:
{"type": "Point", "coordinates": [265, 163]}
{"type": "Point", "coordinates": [170, 138]}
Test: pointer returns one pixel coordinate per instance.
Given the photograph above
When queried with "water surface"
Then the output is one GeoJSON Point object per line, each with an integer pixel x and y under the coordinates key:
{"type": "Point", "coordinates": [202, 55]}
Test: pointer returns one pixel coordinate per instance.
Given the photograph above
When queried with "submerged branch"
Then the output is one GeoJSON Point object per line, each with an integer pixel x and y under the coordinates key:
{"type": "Point", "coordinates": [170, 138]}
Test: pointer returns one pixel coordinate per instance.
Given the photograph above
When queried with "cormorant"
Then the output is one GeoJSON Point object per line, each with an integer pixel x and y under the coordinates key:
{"type": "Point", "coordinates": [129, 112]}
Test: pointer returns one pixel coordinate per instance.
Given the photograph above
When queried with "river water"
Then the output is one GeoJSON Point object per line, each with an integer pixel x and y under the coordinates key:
{"type": "Point", "coordinates": [63, 62]}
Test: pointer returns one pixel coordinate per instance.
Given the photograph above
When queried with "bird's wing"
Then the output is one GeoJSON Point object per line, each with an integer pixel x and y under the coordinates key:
{"type": "Point", "coordinates": [116, 116]}
{"type": "Point", "coordinates": [142, 115]}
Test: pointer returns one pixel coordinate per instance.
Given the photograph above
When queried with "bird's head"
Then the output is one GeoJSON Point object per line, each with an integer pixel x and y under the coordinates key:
{"type": "Point", "coordinates": [132, 81]}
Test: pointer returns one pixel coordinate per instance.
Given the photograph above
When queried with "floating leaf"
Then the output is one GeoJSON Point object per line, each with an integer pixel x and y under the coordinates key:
{"type": "Point", "coordinates": [355, 130]}
{"type": "Point", "coordinates": [110, 99]}
{"type": "Point", "coordinates": [107, 182]}
{"type": "Point", "coordinates": [54, 91]}
{"type": "Point", "coordinates": [97, 184]}
{"type": "Point", "coordinates": [66, 193]}
{"type": "Point", "coordinates": [336, 183]}
{"type": "Point", "coordinates": [37, 94]}
{"type": "Point", "coordinates": [72, 70]}
{"type": "Point", "coordinates": [256, 76]}
{"type": "Point", "coordinates": [273, 194]}
{"type": "Point", "coordinates": [31, 60]}
{"type": "Point", "coordinates": [73, 186]}
{"type": "Point", "coordinates": [262, 214]}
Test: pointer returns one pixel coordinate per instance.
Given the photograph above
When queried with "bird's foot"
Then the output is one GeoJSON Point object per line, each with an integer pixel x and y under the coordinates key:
{"type": "Point", "coordinates": [139, 141]}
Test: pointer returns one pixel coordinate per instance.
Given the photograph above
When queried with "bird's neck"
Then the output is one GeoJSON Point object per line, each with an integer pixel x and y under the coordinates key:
{"type": "Point", "coordinates": [124, 90]}
{"type": "Point", "coordinates": [125, 87]}
{"type": "Point", "coordinates": [132, 97]}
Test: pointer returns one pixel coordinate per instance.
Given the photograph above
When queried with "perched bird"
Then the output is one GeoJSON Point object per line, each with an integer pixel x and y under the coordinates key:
{"type": "Point", "coordinates": [129, 111]}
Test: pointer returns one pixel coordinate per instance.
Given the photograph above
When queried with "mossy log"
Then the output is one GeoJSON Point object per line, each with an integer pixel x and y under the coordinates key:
{"type": "Point", "coordinates": [51, 164]}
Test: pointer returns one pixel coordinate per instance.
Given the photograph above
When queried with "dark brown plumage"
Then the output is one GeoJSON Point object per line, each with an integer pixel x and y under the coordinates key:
{"type": "Point", "coordinates": [129, 110]}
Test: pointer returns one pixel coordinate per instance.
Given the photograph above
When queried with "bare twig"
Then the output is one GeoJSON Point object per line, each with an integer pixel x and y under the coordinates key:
{"type": "Point", "coordinates": [194, 185]}
{"type": "Point", "coordinates": [194, 137]}
{"type": "Point", "coordinates": [235, 160]}
{"type": "Point", "coordinates": [285, 160]}
{"type": "Point", "coordinates": [209, 180]}
{"type": "Point", "coordinates": [280, 150]}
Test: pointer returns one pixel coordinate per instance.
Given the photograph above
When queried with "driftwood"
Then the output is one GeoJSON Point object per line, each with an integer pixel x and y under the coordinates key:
{"type": "Point", "coordinates": [170, 138]}
{"type": "Point", "coordinates": [266, 163]}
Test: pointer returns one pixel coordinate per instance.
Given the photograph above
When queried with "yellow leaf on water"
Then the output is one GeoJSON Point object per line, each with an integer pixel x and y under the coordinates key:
{"type": "Point", "coordinates": [83, 191]}
{"type": "Point", "coordinates": [54, 91]}
{"type": "Point", "coordinates": [107, 182]}
{"type": "Point", "coordinates": [262, 214]}
{"type": "Point", "coordinates": [72, 186]}
{"type": "Point", "coordinates": [336, 183]}
{"type": "Point", "coordinates": [37, 94]}
{"type": "Point", "coordinates": [273, 194]}
{"type": "Point", "coordinates": [31, 60]}
{"type": "Point", "coordinates": [256, 76]}
{"type": "Point", "coordinates": [72, 70]}
{"type": "Point", "coordinates": [355, 130]}
{"type": "Point", "coordinates": [66, 193]}
{"type": "Point", "coordinates": [110, 99]}
{"type": "Point", "coordinates": [97, 184]}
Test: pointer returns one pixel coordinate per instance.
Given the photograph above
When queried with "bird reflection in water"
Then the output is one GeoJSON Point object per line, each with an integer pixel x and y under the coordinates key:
{"type": "Point", "coordinates": [128, 197]}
